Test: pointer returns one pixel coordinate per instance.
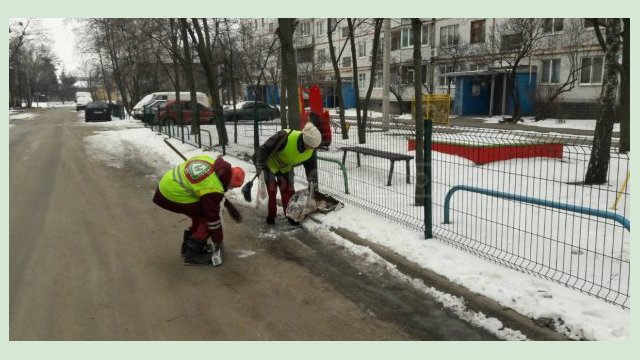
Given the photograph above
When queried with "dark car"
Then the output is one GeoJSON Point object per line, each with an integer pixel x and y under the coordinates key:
{"type": "Point", "coordinates": [249, 109]}
{"type": "Point", "coordinates": [97, 110]}
{"type": "Point", "coordinates": [168, 113]}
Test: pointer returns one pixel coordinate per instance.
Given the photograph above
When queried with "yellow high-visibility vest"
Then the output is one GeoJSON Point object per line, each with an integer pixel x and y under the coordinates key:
{"type": "Point", "coordinates": [189, 181]}
{"type": "Point", "coordinates": [284, 160]}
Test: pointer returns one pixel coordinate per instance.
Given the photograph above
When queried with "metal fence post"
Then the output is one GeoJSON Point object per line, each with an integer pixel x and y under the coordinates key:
{"type": "Point", "coordinates": [428, 207]}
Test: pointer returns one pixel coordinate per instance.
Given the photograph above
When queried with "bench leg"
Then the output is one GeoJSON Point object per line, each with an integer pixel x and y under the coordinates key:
{"type": "Point", "coordinates": [344, 157]}
{"type": "Point", "coordinates": [408, 173]}
{"type": "Point", "coordinates": [358, 155]}
{"type": "Point", "coordinates": [390, 173]}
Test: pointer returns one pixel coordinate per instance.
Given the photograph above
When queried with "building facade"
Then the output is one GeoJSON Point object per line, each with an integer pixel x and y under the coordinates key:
{"type": "Point", "coordinates": [560, 73]}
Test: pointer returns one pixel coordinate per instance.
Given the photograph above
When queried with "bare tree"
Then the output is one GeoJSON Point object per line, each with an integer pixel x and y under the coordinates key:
{"type": "Point", "coordinates": [25, 39]}
{"type": "Point", "coordinates": [205, 49]}
{"type": "Point", "coordinates": [362, 132]}
{"type": "Point", "coordinates": [228, 44]}
{"type": "Point", "coordinates": [286, 28]}
{"type": "Point", "coordinates": [416, 26]}
{"type": "Point", "coordinates": [332, 25]}
{"type": "Point", "coordinates": [572, 41]}
{"type": "Point", "coordinates": [600, 153]}
{"type": "Point", "coordinates": [454, 56]}
{"type": "Point", "coordinates": [516, 40]}
{"type": "Point", "coordinates": [398, 85]}
{"type": "Point", "coordinates": [376, 64]}
{"type": "Point", "coordinates": [625, 88]}
{"type": "Point", "coordinates": [188, 68]}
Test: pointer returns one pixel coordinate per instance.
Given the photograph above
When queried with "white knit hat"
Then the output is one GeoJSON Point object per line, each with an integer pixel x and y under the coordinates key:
{"type": "Point", "coordinates": [311, 135]}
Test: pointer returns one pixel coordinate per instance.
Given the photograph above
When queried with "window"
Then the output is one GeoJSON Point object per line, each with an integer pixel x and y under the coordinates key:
{"type": "Point", "coordinates": [408, 74]}
{"type": "Point", "coordinates": [550, 26]}
{"type": "Point", "coordinates": [395, 40]}
{"type": "Point", "coordinates": [272, 27]}
{"type": "Point", "coordinates": [588, 23]}
{"type": "Point", "coordinates": [477, 31]}
{"type": "Point", "coordinates": [424, 40]}
{"type": "Point", "coordinates": [345, 31]}
{"type": "Point", "coordinates": [406, 37]}
{"type": "Point", "coordinates": [591, 72]}
{"type": "Point", "coordinates": [262, 23]}
{"type": "Point", "coordinates": [378, 81]}
{"type": "Point", "coordinates": [362, 49]}
{"type": "Point", "coordinates": [346, 61]}
{"type": "Point", "coordinates": [442, 79]}
{"type": "Point", "coordinates": [362, 79]}
{"type": "Point", "coordinates": [320, 28]}
{"type": "Point", "coordinates": [304, 54]}
{"type": "Point", "coordinates": [475, 67]}
{"type": "Point", "coordinates": [304, 28]}
{"type": "Point", "coordinates": [511, 41]}
{"type": "Point", "coordinates": [449, 35]}
{"type": "Point", "coordinates": [550, 71]}
{"type": "Point", "coordinates": [321, 56]}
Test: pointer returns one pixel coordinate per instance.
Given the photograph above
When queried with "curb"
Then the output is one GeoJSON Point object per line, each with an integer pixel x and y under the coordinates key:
{"type": "Point", "coordinates": [474, 301]}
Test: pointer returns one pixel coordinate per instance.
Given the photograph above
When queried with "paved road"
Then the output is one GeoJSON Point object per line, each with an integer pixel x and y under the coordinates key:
{"type": "Point", "coordinates": [91, 258]}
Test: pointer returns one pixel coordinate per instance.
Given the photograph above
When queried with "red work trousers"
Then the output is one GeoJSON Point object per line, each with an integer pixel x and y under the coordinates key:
{"type": "Point", "coordinates": [284, 182]}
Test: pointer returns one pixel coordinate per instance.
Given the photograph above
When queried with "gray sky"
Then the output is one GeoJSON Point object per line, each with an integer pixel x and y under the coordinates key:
{"type": "Point", "coordinates": [63, 43]}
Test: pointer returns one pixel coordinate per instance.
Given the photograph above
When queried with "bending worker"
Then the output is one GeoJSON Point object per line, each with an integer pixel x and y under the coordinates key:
{"type": "Point", "coordinates": [279, 155]}
{"type": "Point", "coordinates": [196, 188]}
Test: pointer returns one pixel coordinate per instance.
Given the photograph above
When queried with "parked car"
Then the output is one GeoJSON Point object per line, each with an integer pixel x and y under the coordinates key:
{"type": "Point", "coordinates": [153, 106]}
{"type": "Point", "coordinates": [246, 110]}
{"type": "Point", "coordinates": [155, 98]}
{"type": "Point", "coordinates": [82, 101]}
{"type": "Point", "coordinates": [97, 110]}
{"type": "Point", "coordinates": [168, 113]}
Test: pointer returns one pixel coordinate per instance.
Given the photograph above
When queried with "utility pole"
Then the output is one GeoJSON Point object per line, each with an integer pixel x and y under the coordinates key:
{"type": "Point", "coordinates": [386, 74]}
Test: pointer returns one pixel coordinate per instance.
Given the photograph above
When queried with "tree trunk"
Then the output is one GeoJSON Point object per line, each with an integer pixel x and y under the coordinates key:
{"type": "Point", "coordinates": [210, 68]}
{"type": "Point", "coordinates": [377, 28]}
{"type": "Point", "coordinates": [416, 25]}
{"type": "Point", "coordinates": [188, 69]}
{"type": "Point", "coordinates": [289, 70]}
{"type": "Point", "coordinates": [362, 132]}
{"type": "Point", "coordinates": [336, 70]}
{"type": "Point", "coordinates": [600, 153]}
{"type": "Point", "coordinates": [176, 63]}
{"type": "Point", "coordinates": [625, 104]}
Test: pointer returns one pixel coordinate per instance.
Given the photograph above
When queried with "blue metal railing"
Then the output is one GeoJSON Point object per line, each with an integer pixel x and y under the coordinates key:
{"type": "Point", "coordinates": [562, 206]}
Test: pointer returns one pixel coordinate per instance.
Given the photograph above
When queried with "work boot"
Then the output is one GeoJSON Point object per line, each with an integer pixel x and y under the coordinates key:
{"type": "Point", "coordinates": [293, 222]}
{"type": "Point", "coordinates": [195, 253]}
{"type": "Point", "coordinates": [187, 233]}
{"type": "Point", "coordinates": [183, 248]}
{"type": "Point", "coordinates": [271, 220]}
{"type": "Point", "coordinates": [218, 253]}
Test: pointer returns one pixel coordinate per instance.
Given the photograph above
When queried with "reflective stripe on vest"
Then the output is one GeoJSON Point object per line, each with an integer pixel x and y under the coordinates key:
{"type": "Point", "coordinates": [189, 181]}
{"type": "Point", "coordinates": [283, 161]}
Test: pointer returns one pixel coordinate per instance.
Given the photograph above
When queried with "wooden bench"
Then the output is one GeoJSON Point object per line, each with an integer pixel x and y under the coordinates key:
{"type": "Point", "coordinates": [393, 157]}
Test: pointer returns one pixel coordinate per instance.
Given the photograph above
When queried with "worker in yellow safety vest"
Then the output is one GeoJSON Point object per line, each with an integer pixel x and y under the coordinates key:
{"type": "Point", "coordinates": [196, 188]}
{"type": "Point", "coordinates": [279, 155]}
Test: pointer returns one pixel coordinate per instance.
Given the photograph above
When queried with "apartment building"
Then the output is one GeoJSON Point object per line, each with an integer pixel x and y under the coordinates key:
{"type": "Point", "coordinates": [467, 58]}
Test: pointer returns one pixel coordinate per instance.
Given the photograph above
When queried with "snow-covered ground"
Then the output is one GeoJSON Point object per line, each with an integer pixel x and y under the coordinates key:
{"type": "Point", "coordinates": [577, 315]}
{"type": "Point", "coordinates": [580, 124]}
